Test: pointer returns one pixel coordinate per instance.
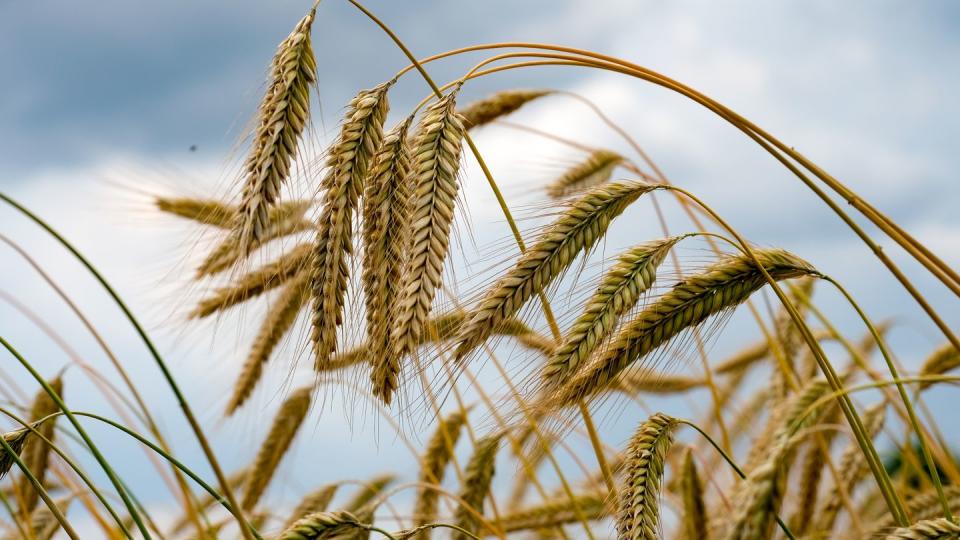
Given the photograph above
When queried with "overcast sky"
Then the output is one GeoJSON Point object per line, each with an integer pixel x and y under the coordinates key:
{"type": "Point", "coordinates": [101, 102]}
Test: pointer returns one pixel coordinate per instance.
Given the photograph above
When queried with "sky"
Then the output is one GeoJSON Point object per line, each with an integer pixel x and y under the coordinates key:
{"type": "Point", "coordinates": [102, 102]}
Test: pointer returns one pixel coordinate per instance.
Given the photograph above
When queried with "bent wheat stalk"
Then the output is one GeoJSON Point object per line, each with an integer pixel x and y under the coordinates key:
{"type": "Point", "coordinates": [283, 114]}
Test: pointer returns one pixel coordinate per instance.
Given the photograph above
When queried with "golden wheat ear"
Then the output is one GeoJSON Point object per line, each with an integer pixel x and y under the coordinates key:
{"type": "Point", "coordinates": [313, 502]}
{"type": "Point", "coordinates": [386, 233]}
{"type": "Point", "coordinates": [696, 523]}
{"type": "Point", "coordinates": [556, 513]}
{"type": "Point", "coordinates": [930, 529]}
{"type": "Point", "coordinates": [576, 231]}
{"type": "Point", "coordinates": [596, 169]}
{"type": "Point", "coordinates": [348, 162]}
{"type": "Point", "coordinates": [435, 170]}
{"type": "Point", "coordinates": [634, 273]}
{"type": "Point", "coordinates": [36, 452]}
{"type": "Point", "coordinates": [722, 286]}
{"type": "Point", "coordinates": [436, 457]}
{"type": "Point", "coordinates": [16, 439]}
{"type": "Point", "coordinates": [285, 426]}
{"type": "Point", "coordinates": [476, 484]}
{"type": "Point", "coordinates": [203, 211]}
{"type": "Point", "coordinates": [284, 112]}
{"type": "Point", "coordinates": [488, 109]}
{"type": "Point", "coordinates": [323, 525]}
{"type": "Point", "coordinates": [638, 517]}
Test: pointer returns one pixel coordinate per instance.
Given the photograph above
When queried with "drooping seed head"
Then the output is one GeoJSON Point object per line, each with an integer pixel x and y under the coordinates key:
{"type": "Point", "coordinates": [204, 211]}
{"type": "Point", "coordinates": [944, 359]}
{"type": "Point", "coordinates": [576, 231]}
{"type": "Point", "coordinates": [695, 519]}
{"type": "Point", "coordinates": [322, 525]}
{"type": "Point", "coordinates": [476, 484]}
{"type": "Point", "coordinates": [15, 439]}
{"type": "Point", "coordinates": [435, 168]}
{"type": "Point", "coordinates": [931, 529]}
{"type": "Point", "coordinates": [436, 457]}
{"type": "Point", "coordinates": [36, 451]}
{"type": "Point", "coordinates": [316, 501]}
{"type": "Point", "coordinates": [596, 169]}
{"type": "Point", "coordinates": [348, 163]}
{"type": "Point", "coordinates": [502, 103]}
{"type": "Point", "coordinates": [283, 114]}
{"type": "Point", "coordinates": [638, 517]}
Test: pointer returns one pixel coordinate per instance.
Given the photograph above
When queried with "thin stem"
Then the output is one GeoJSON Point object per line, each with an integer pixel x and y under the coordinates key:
{"type": "Point", "coordinates": [168, 376]}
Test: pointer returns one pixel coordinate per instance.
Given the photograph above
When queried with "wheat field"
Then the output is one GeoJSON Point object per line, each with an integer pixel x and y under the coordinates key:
{"type": "Point", "coordinates": [505, 370]}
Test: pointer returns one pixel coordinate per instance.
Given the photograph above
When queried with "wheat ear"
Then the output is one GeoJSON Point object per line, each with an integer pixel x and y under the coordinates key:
{"type": "Point", "coordinates": [36, 451]}
{"type": "Point", "coordinates": [502, 103]}
{"type": "Point", "coordinates": [435, 166]}
{"type": "Point", "coordinates": [285, 218]}
{"type": "Point", "coordinates": [944, 359]}
{"type": "Point", "coordinates": [386, 232]}
{"type": "Point", "coordinates": [764, 487]}
{"type": "Point", "coordinates": [16, 439]}
{"type": "Point", "coordinates": [235, 481]}
{"type": "Point", "coordinates": [931, 529]}
{"type": "Point", "coordinates": [365, 495]}
{"type": "Point", "coordinates": [853, 467]}
{"type": "Point", "coordinates": [695, 519]}
{"type": "Point", "coordinates": [633, 382]}
{"type": "Point", "coordinates": [43, 524]}
{"type": "Point", "coordinates": [439, 451]}
{"type": "Point", "coordinates": [204, 211]}
{"type": "Point", "coordinates": [253, 284]}
{"type": "Point", "coordinates": [722, 286]}
{"type": "Point", "coordinates": [278, 321]}
{"type": "Point", "coordinates": [285, 426]}
{"type": "Point", "coordinates": [925, 505]}
{"type": "Point", "coordinates": [476, 484]}
{"type": "Point", "coordinates": [576, 231]}
{"type": "Point", "coordinates": [638, 517]}
{"type": "Point", "coordinates": [322, 525]}
{"type": "Point", "coordinates": [619, 290]}
{"type": "Point", "coordinates": [596, 169]}
{"type": "Point", "coordinates": [348, 161]}
{"type": "Point", "coordinates": [313, 502]}
{"type": "Point", "coordinates": [283, 114]}
{"type": "Point", "coordinates": [555, 513]}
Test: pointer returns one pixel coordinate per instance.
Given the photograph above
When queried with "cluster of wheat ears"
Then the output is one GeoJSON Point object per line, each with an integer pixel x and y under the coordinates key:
{"type": "Point", "coordinates": [792, 458]}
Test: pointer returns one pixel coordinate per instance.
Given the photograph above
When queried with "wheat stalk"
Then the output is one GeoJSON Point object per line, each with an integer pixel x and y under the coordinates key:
{"type": "Point", "coordinates": [618, 291]}
{"type": "Point", "coordinates": [436, 163]}
{"type": "Point", "coordinates": [36, 451]}
{"type": "Point", "coordinates": [576, 231]}
{"type": "Point", "coordinates": [269, 276]}
{"type": "Point", "coordinates": [386, 233]}
{"type": "Point", "coordinates": [722, 286]}
{"type": "Point", "coordinates": [476, 484]}
{"type": "Point", "coordinates": [596, 169]}
{"type": "Point", "coordinates": [638, 517]}
{"type": "Point", "coordinates": [285, 426]}
{"type": "Point", "coordinates": [278, 321]}
{"type": "Point", "coordinates": [931, 529]}
{"type": "Point", "coordinates": [502, 103]}
{"type": "Point", "coordinates": [437, 455]}
{"type": "Point", "coordinates": [283, 114]}
{"type": "Point", "coordinates": [322, 525]}
{"type": "Point", "coordinates": [695, 519]}
{"type": "Point", "coordinates": [348, 161]}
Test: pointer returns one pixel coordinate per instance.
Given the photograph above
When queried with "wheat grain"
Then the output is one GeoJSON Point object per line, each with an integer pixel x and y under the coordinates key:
{"type": "Point", "coordinates": [476, 484]}
{"type": "Point", "coordinates": [348, 161]}
{"type": "Point", "coordinates": [278, 321]}
{"type": "Point", "coordinates": [250, 285]}
{"type": "Point", "coordinates": [436, 163]}
{"type": "Point", "coordinates": [722, 286]}
{"type": "Point", "coordinates": [386, 210]}
{"type": "Point", "coordinates": [285, 426]}
{"type": "Point", "coordinates": [437, 455]}
{"type": "Point", "coordinates": [502, 103]}
{"type": "Point", "coordinates": [576, 231]}
{"type": "Point", "coordinates": [638, 517]}
{"type": "Point", "coordinates": [618, 291]}
{"type": "Point", "coordinates": [283, 114]}
{"type": "Point", "coordinates": [596, 169]}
